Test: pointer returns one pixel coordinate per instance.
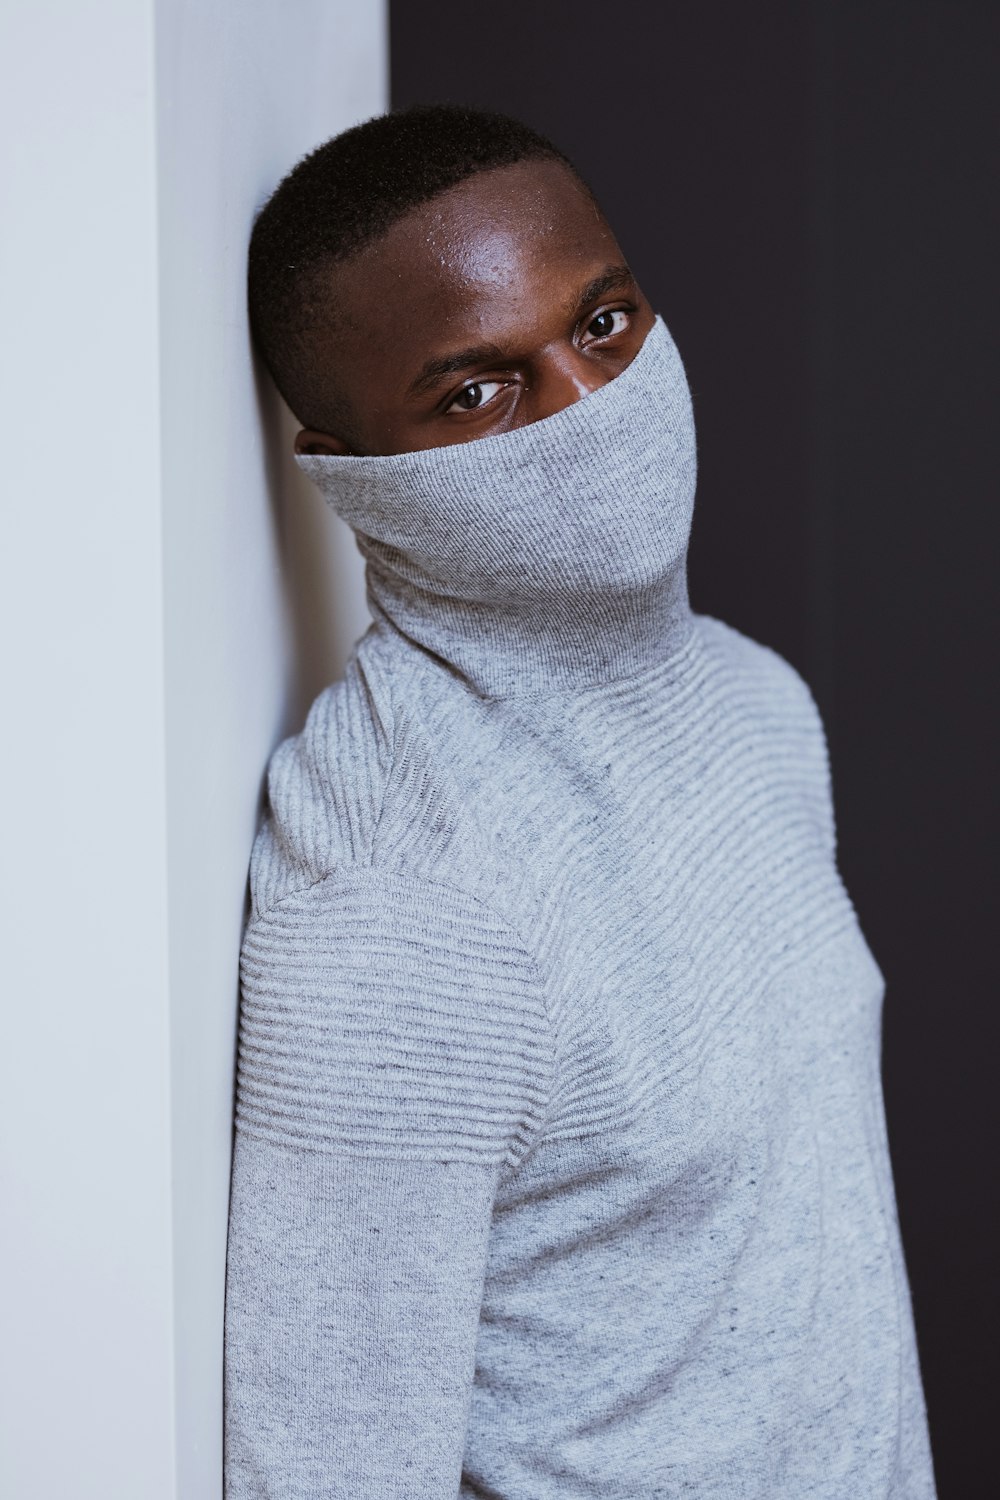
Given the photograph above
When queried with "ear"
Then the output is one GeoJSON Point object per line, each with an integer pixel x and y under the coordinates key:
{"type": "Point", "coordinates": [308, 441]}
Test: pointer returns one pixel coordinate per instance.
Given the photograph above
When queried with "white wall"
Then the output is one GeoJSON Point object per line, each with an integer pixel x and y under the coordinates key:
{"type": "Point", "coordinates": [172, 597]}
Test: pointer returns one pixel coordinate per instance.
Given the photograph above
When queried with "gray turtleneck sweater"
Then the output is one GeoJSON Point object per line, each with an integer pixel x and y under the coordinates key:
{"type": "Point", "coordinates": [561, 1166]}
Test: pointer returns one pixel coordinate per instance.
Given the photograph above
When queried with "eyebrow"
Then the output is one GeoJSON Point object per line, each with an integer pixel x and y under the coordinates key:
{"type": "Point", "coordinates": [435, 369]}
{"type": "Point", "coordinates": [612, 278]}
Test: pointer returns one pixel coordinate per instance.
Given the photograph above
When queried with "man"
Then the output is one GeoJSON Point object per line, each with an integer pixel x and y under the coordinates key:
{"type": "Point", "coordinates": [561, 1166]}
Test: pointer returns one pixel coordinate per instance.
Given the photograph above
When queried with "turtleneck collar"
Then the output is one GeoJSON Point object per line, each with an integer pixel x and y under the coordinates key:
{"type": "Point", "coordinates": [550, 557]}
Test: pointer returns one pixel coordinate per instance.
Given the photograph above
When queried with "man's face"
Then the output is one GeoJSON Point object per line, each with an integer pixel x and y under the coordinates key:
{"type": "Point", "coordinates": [497, 303]}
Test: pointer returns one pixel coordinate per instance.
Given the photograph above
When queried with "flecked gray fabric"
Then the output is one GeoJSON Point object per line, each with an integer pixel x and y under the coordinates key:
{"type": "Point", "coordinates": [561, 1165]}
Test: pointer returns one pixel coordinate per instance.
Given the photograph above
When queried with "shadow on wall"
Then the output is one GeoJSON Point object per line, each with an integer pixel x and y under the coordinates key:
{"type": "Point", "coordinates": [322, 572]}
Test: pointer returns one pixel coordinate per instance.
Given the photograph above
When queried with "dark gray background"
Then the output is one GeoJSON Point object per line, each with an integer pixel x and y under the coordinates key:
{"type": "Point", "coordinates": [806, 192]}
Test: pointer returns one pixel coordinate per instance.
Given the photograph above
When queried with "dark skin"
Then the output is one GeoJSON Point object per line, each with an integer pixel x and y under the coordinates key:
{"type": "Point", "coordinates": [497, 303]}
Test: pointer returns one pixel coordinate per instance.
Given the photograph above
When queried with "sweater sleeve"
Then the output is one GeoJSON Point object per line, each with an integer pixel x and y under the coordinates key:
{"type": "Point", "coordinates": [394, 1060]}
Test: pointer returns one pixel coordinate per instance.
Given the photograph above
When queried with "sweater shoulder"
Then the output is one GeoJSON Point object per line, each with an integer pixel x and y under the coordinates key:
{"type": "Point", "coordinates": [760, 665]}
{"type": "Point", "coordinates": [766, 680]}
{"type": "Point", "coordinates": [325, 787]}
{"type": "Point", "coordinates": [775, 703]}
{"type": "Point", "coordinates": [379, 779]}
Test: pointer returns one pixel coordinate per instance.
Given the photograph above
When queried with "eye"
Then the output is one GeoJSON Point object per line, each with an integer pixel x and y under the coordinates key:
{"type": "Point", "coordinates": [607, 323]}
{"type": "Point", "coordinates": [476, 394]}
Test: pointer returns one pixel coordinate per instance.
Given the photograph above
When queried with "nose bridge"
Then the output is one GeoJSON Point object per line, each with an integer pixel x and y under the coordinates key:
{"type": "Point", "coordinates": [565, 374]}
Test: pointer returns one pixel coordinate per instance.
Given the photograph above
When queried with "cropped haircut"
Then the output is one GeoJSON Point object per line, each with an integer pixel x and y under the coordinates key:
{"type": "Point", "coordinates": [339, 199]}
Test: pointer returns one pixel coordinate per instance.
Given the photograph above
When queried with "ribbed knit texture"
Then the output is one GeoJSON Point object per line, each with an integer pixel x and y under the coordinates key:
{"type": "Point", "coordinates": [561, 1166]}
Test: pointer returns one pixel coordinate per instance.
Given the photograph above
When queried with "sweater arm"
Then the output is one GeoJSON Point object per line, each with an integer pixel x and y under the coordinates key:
{"type": "Point", "coordinates": [394, 1060]}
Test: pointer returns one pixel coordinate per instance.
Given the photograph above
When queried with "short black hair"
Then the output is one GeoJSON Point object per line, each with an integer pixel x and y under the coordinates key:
{"type": "Point", "coordinates": [337, 200]}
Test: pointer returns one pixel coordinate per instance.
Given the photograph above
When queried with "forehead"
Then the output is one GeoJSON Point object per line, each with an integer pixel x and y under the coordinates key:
{"type": "Point", "coordinates": [477, 259]}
